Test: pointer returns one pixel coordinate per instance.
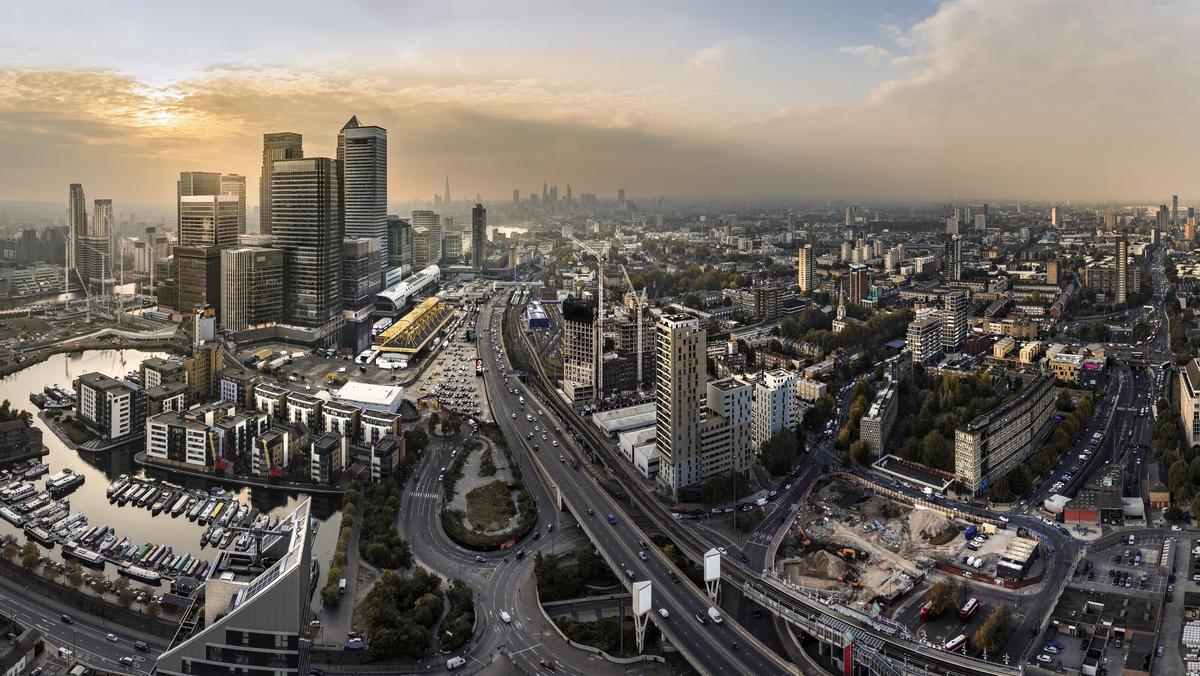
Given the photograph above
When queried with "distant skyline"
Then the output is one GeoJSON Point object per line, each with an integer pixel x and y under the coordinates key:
{"type": "Point", "coordinates": [911, 100]}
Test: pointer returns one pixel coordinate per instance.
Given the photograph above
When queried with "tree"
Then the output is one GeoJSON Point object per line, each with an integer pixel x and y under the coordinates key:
{"type": "Point", "coordinates": [415, 440]}
{"type": "Point", "coordinates": [30, 555]}
{"type": "Point", "coordinates": [940, 597]}
{"type": "Point", "coordinates": [1179, 481]}
{"type": "Point", "coordinates": [10, 551]}
{"type": "Point", "coordinates": [1020, 480]}
{"type": "Point", "coordinates": [154, 609]}
{"type": "Point", "coordinates": [860, 452]}
{"type": "Point", "coordinates": [74, 574]}
{"type": "Point", "coordinates": [1196, 507]}
{"type": "Point", "coordinates": [993, 633]}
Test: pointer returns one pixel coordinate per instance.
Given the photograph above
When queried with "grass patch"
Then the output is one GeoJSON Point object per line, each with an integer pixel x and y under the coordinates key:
{"type": "Point", "coordinates": [75, 431]}
{"type": "Point", "coordinates": [490, 506]}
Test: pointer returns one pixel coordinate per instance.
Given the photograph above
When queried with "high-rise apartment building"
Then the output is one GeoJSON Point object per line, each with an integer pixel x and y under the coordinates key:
{"type": "Point", "coordinates": [989, 446]}
{"type": "Point", "coordinates": [362, 177]}
{"type": "Point", "coordinates": [1122, 256]}
{"type": "Point", "coordinates": [774, 406]}
{"type": "Point", "coordinates": [952, 258]}
{"type": "Point", "coordinates": [478, 236]}
{"type": "Point", "coordinates": [277, 146]}
{"type": "Point", "coordinates": [1160, 224]}
{"type": "Point", "coordinates": [1174, 210]}
{"type": "Point", "coordinates": [806, 269]}
{"type": "Point", "coordinates": [305, 225]}
{"type": "Point", "coordinates": [429, 222]}
{"type": "Point", "coordinates": [1189, 402]}
{"type": "Point", "coordinates": [860, 284]}
{"type": "Point", "coordinates": [702, 429]}
{"type": "Point", "coordinates": [580, 345]}
{"type": "Point", "coordinates": [235, 185]}
{"type": "Point", "coordinates": [251, 287]}
{"type": "Point", "coordinates": [76, 222]}
{"type": "Point", "coordinates": [956, 305]}
{"type": "Point", "coordinates": [924, 338]}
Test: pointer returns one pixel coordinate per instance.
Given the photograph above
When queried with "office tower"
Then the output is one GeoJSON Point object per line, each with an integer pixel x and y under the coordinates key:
{"type": "Point", "coordinates": [362, 179]}
{"type": "Point", "coordinates": [446, 199]}
{"type": "Point", "coordinates": [1054, 217]}
{"type": "Point", "coordinates": [1110, 220]}
{"type": "Point", "coordinates": [860, 285]}
{"type": "Point", "coordinates": [478, 236]}
{"type": "Point", "coordinates": [452, 247]}
{"type": "Point", "coordinates": [952, 225]}
{"type": "Point", "coordinates": [251, 287]}
{"type": "Point", "coordinates": [1174, 210]}
{"type": "Point", "coordinates": [845, 254]}
{"type": "Point", "coordinates": [400, 245]}
{"type": "Point", "coordinates": [516, 196]}
{"type": "Point", "coordinates": [104, 225]}
{"type": "Point", "coordinates": [428, 222]}
{"type": "Point", "coordinates": [277, 146]}
{"type": "Point", "coordinates": [76, 222]}
{"type": "Point", "coordinates": [924, 338]}
{"type": "Point", "coordinates": [1122, 255]}
{"type": "Point", "coordinates": [209, 220]}
{"type": "Point", "coordinates": [304, 224]}
{"type": "Point", "coordinates": [1189, 229]}
{"type": "Point", "coordinates": [954, 320]}
{"type": "Point", "coordinates": [980, 221]}
{"type": "Point", "coordinates": [256, 604]}
{"type": "Point", "coordinates": [621, 198]}
{"type": "Point", "coordinates": [569, 198]}
{"type": "Point", "coordinates": [952, 258]}
{"type": "Point", "coordinates": [198, 278]}
{"type": "Point", "coordinates": [361, 282]}
{"type": "Point", "coordinates": [1191, 212]}
{"type": "Point", "coordinates": [194, 183]}
{"type": "Point", "coordinates": [806, 269]}
{"type": "Point", "coordinates": [235, 185]}
{"type": "Point", "coordinates": [1160, 224]}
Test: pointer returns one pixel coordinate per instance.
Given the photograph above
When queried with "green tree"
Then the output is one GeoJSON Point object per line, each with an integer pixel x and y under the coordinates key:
{"type": "Point", "coordinates": [940, 597]}
{"type": "Point", "coordinates": [1179, 481]}
{"type": "Point", "coordinates": [1020, 480]}
{"type": "Point", "coordinates": [30, 554]}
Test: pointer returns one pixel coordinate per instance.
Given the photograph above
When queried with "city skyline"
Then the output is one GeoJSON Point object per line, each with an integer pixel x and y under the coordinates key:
{"type": "Point", "coordinates": [913, 100]}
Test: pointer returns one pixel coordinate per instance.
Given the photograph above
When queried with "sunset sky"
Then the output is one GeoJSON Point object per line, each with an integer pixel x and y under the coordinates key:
{"type": "Point", "coordinates": [859, 100]}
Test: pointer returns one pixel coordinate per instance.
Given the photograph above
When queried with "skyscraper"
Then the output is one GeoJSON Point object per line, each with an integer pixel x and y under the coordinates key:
{"type": "Point", "coordinates": [278, 146]}
{"type": "Point", "coordinates": [621, 197]}
{"type": "Point", "coordinates": [102, 218]}
{"type": "Point", "coordinates": [516, 197]}
{"type": "Point", "coordinates": [478, 236]}
{"type": "Point", "coordinates": [305, 225]}
{"type": "Point", "coordinates": [400, 245]}
{"type": "Point", "coordinates": [251, 287]}
{"type": "Point", "coordinates": [361, 282]}
{"type": "Point", "coordinates": [1160, 224]}
{"type": "Point", "coordinates": [235, 184]}
{"type": "Point", "coordinates": [76, 222]}
{"type": "Point", "coordinates": [952, 258]}
{"type": "Point", "coordinates": [860, 284]}
{"type": "Point", "coordinates": [446, 200]}
{"type": "Point", "coordinates": [193, 183]}
{"type": "Point", "coordinates": [428, 222]}
{"type": "Point", "coordinates": [1174, 210]}
{"type": "Point", "coordinates": [807, 277]}
{"type": "Point", "coordinates": [209, 220]}
{"type": "Point", "coordinates": [1122, 255]}
{"type": "Point", "coordinates": [362, 179]}
{"type": "Point", "coordinates": [1054, 217]}
{"type": "Point", "coordinates": [954, 320]}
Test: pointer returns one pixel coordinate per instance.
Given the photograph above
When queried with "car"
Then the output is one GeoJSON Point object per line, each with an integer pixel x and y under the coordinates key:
{"type": "Point", "coordinates": [547, 664]}
{"type": "Point", "coordinates": [505, 617]}
{"type": "Point", "coordinates": [141, 645]}
{"type": "Point", "coordinates": [1158, 652]}
{"type": "Point", "coordinates": [1052, 649]}
{"type": "Point", "coordinates": [126, 661]}
{"type": "Point", "coordinates": [112, 637]}
{"type": "Point", "coordinates": [479, 558]}
{"type": "Point", "coordinates": [1044, 658]}
{"type": "Point", "coordinates": [629, 572]}
{"type": "Point", "coordinates": [643, 556]}
{"type": "Point", "coordinates": [590, 512]}
{"type": "Point", "coordinates": [674, 577]}
{"type": "Point", "coordinates": [355, 643]}
{"type": "Point", "coordinates": [313, 671]}
{"type": "Point", "coordinates": [665, 614]}
{"type": "Point", "coordinates": [1004, 519]}
{"type": "Point", "coordinates": [66, 619]}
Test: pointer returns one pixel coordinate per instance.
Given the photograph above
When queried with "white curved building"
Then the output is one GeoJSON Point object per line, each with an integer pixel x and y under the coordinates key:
{"type": "Point", "coordinates": [392, 300]}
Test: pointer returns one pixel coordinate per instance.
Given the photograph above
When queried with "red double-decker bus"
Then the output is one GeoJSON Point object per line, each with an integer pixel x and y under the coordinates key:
{"type": "Point", "coordinates": [968, 609]}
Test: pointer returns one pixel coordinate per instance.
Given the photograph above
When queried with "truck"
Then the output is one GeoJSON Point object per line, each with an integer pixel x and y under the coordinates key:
{"type": "Point", "coordinates": [972, 531]}
{"type": "Point", "coordinates": [342, 586]}
{"type": "Point", "coordinates": [715, 615]}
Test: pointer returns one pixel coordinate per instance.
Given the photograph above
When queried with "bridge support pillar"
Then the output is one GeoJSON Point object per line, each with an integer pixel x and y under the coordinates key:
{"type": "Point", "coordinates": [558, 498]}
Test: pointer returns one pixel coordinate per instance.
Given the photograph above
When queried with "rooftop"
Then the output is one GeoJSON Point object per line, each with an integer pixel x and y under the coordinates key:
{"type": "Point", "coordinates": [384, 396]}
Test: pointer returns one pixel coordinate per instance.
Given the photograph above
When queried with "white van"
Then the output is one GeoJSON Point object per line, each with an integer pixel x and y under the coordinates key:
{"type": "Point", "coordinates": [505, 617]}
{"type": "Point", "coordinates": [455, 662]}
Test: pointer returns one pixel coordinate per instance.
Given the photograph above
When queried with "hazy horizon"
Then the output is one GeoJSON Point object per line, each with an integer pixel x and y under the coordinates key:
{"type": "Point", "coordinates": [912, 101]}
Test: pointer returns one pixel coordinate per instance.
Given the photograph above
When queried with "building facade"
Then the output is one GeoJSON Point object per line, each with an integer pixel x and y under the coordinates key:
{"type": "Point", "coordinates": [251, 287]}
{"type": "Point", "coordinates": [362, 174]}
{"type": "Point", "coordinates": [277, 146]}
{"type": "Point", "coordinates": [989, 446]}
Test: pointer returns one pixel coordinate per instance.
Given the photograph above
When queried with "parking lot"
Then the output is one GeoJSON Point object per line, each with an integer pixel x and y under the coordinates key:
{"type": "Point", "coordinates": [451, 381]}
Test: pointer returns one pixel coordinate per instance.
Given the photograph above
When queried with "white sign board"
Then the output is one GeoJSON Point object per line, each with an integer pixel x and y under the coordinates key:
{"type": "Point", "coordinates": [712, 565]}
{"type": "Point", "coordinates": [642, 602]}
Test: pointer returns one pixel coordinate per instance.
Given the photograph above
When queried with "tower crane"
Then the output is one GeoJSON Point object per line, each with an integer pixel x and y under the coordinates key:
{"type": "Point", "coordinates": [597, 336]}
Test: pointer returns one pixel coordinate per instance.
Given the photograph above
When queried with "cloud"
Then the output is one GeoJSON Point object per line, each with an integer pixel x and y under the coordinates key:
{"type": "Point", "coordinates": [708, 59]}
{"type": "Point", "coordinates": [870, 54]}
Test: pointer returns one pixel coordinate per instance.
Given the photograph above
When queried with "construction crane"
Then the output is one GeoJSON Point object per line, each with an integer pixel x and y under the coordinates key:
{"type": "Point", "coordinates": [641, 303]}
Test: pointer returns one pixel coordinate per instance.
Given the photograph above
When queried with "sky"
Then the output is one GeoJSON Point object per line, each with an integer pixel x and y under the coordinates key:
{"type": "Point", "coordinates": [865, 100]}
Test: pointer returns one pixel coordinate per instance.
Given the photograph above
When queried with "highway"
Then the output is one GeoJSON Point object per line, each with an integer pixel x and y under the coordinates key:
{"type": "Point", "coordinates": [709, 648]}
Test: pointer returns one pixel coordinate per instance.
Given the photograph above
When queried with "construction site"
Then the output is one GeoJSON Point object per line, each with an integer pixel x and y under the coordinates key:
{"type": "Point", "coordinates": [870, 548]}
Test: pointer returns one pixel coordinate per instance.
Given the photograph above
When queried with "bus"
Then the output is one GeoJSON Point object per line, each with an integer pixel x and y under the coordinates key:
{"type": "Point", "coordinates": [968, 609]}
{"type": "Point", "coordinates": [1137, 357]}
{"type": "Point", "coordinates": [956, 643]}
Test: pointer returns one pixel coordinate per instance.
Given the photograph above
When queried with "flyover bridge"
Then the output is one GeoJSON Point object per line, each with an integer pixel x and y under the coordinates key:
{"type": "Point", "coordinates": [414, 330]}
{"type": "Point", "coordinates": [879, 646]}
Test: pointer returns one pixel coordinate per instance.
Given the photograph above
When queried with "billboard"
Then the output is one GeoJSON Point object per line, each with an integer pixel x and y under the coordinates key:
{"type": "Point", "coordinates": [712, 565]}
{"type": "Point", "coordinates": [642, 601]}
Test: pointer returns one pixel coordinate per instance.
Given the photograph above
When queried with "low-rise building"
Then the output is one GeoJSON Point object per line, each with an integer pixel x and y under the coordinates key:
{"type": "Point", "coordinates": [375, 425]}
{"type": "Point", "coordinates": [810, 390]}
{"type": "Point", "coordinates": [329, 454]}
